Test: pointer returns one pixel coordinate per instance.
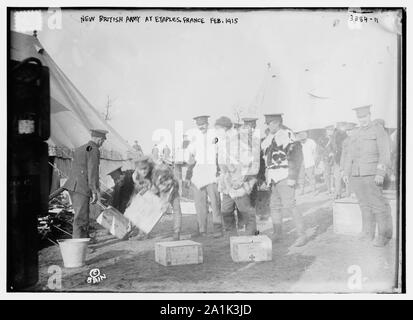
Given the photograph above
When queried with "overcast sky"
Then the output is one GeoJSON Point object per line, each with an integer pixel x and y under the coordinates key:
{"type": "Point", "coordinates": [157, 73]}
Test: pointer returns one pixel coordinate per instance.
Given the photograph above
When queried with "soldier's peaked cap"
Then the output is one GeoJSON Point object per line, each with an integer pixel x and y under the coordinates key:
{"type": "Point", "coordinates": [272, 117]}
{"type": "Point", "coordinates": [98, 133]}
{"type": "Point", "coordinates": [362, 111]}
{"type": "Point", "coordinates": [250, 120]}
{"type": "Point", "coordinates": [201, 119]}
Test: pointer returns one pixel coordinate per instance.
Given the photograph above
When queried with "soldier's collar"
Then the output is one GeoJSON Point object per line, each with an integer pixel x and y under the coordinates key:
{"type": "Point", "coordinates": [93, 142]}
{"type": "Point", "coordinates": [368, 126]}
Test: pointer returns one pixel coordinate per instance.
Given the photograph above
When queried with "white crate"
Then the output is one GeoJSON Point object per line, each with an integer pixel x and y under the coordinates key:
{"type": "Point", "coordinates": [251, 248]}
{"type": "Point", "coordinates": [173, 253]}
{"type": "Point", "coordinates": [347, 215]}
{"type": "Point", "coordinates": [145, 211]}
{"type": "Point", "coordinates": [115, 222]}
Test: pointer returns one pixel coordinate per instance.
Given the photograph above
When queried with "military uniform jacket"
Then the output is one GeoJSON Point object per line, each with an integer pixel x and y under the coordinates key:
{"type": "Point", "coordinates": [368, 152]}
{"type": "Point", "coordinates": [84, 176]}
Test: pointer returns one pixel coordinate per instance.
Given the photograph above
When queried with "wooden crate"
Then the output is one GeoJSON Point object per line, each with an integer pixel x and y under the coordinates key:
{"type": "Point", "coordinates": [347, 215]}
{"type": "Point", "coordinates": [251, 248]}
{"type": "Point", "coordinates": [173, 253]}
{"type": "Point", "coordinates": [115, 222]}
{"type": "Point", "coordinates": [145, 211]}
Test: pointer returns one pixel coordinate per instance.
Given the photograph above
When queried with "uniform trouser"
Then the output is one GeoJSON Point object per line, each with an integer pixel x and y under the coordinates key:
{"type": "Point", "coordinates": [348, 189]}
{"type": "Point", "coordinates": [307, 173]}
{"type": "Point", "coordinates": [337, 179]}
{"type": "Point", "coordinates": [282, 202]}
{"type": "Point", "coordinates": [177, 213]}
{"type": "Point", "coordinates": [374, 207]}
{"type": "Point", "coordinates": [254, 195]}
{"type": "Point", "coordinates": [178, 175]}
{"type": "Point", "coordinates": [327, 176]}
{"type": "Point", "coordinates": [80, 204]}
{"type": "Point", "coordinates": [246, 213]}
{"type": "Point", "coordinates": [201, 205]}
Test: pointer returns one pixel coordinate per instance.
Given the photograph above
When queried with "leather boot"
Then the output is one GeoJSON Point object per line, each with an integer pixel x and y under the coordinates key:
{"type": "Point", "coordinates": [381, 241]}
{"type": "Point", "coordinates": [218, 230]}
{"type": "Point", "coordinates": [385, 228]}
{"type": "Point", "coordinates": [229, 221]}
{"type": "Point", "coordinates": [368, 225]}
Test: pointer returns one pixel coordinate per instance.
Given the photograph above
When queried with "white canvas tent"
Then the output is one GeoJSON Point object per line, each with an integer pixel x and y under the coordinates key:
{"type": "Point", "coordinates": [321, 70]}
{"type": "Point", "coordinates": [72, 116]}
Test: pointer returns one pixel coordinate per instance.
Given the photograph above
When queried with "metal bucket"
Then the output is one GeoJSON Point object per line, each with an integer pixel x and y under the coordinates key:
{"type": "Point", "coordinates": [73, 252]}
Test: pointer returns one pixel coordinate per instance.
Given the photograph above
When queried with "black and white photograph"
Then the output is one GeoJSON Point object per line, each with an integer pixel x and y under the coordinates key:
{"type": "Point", "coordinates": [254, 150]}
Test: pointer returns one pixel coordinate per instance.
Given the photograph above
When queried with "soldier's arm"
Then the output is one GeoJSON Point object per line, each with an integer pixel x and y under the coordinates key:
{"type": "Point", "coordinates": [261, 170]}
{"type": "Point", "coordinates": [266, 143]}
{"type": "Point", "coordinates": [189, 171]}
{"type": "Point", "coordinates": [93, 159]}
{"type": "Point", "coordinates": [343, 154]}
{"type": "Point", "coordinates": [295, 159]}
{"type": "Point", "coordinates": [348, 160]}
{"type": "Point", "coordinates": [383, 145]}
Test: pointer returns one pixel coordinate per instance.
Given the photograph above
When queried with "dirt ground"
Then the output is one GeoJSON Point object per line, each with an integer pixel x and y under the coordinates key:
{"type": "Point", "coordinates": [327, 263]}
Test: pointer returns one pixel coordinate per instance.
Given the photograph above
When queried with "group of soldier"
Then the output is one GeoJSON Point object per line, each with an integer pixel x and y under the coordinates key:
{"type": "Point", "coordinates": [228, 185]}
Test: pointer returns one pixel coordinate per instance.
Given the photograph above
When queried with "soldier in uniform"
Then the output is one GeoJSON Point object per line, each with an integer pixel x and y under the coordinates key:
{"type": "Point", "coordinates": [83, 181]}
{"type": "Point", "coordinates": [122, 190]}
{"type": "Point", "coordinates": [283, 159]}
{"type": "Point", "coordinates": [366, 164]}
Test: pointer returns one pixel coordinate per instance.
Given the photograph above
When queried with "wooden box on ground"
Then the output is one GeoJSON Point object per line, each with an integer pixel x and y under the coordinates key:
{"type": "Point", "coordinates": [115, 222]}
{"type": "Point", "coordinates": [347, 214]}
{"type": "Point", "coordinates": [251, 248]}
{"type": "Point", "coordinates": [173, 253]}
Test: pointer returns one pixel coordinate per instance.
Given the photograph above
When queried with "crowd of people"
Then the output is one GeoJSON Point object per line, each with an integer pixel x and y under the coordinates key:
{"type": "Point", "coordinates": [226, 166]}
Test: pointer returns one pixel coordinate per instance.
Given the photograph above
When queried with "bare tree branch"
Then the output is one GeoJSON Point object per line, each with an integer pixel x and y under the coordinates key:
{"type": "Point", "coordinates": [109, 104]}
{"type": "Point", "coordinates": [238, 112]}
